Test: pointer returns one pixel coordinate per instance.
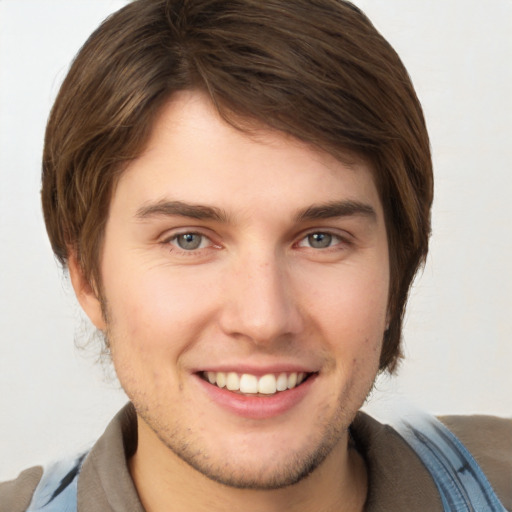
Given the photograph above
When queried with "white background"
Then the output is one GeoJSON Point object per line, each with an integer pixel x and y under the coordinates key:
{"type": "Point", "coordinates": [54, 398]}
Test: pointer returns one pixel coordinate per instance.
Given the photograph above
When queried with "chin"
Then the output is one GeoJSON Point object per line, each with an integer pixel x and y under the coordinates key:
{"type": "Point", "coordinates": [246, 475]}
{"type": "Point", "coordinates": [261, 463]}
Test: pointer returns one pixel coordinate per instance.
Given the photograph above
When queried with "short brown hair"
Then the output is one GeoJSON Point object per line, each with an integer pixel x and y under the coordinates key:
{"type": "Point", "coordinates": [316, 69]}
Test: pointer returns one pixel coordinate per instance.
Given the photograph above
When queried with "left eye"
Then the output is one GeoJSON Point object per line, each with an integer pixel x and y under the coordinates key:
{"type": "Point", "coordinates": [319, 240]}
{"type": "Point", "coordinates": [190, 241]}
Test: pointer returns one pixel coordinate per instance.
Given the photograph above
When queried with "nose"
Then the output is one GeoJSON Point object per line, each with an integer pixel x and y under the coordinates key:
{"type": "Point", "coordinates": [259, 303]}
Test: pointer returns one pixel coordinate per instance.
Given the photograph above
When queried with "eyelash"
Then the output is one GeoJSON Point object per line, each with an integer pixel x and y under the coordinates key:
{"type": "Point", "coordinates": [175, 247]}
{"type": "Point", "coordinates": [331, 237]}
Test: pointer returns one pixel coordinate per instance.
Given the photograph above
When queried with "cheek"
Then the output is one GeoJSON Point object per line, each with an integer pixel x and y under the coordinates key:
{"type": "Point", "coordinates": [157, 310]}
{"type": "Point", "coordinates": [353, 304]}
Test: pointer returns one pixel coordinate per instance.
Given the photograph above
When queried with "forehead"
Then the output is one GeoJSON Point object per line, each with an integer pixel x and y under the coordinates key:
{"type": "Point", "coordinates": [193, 154]}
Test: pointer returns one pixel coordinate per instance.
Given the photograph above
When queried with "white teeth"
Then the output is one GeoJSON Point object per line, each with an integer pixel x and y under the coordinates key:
{"type": "Point", "coordinates": [268, 384]}
{"type": "Point", "coordinates": [248, 383]}
{"type": "Point", "coordinates": [221, 379]}
{"type": "Point", "coordinates": [233, 381]}
{"type": "Point", "coordinates": [282, 382]}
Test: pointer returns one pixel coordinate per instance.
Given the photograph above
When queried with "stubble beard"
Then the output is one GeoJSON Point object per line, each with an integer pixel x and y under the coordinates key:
{"type": "Point", "coordinates": [291, 470]}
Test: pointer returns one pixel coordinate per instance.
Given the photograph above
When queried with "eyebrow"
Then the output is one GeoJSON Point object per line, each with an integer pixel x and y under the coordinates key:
{"type": "Point", "coordinates": [347, 208]}
{"type": "Point", "coordinates": [334, 209]}
{"type": "Point", "coordinates": [170, 208]}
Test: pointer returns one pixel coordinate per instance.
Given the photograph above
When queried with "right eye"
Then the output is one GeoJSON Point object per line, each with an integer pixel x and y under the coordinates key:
{"type": "Point", "coordinates": [190, 241]}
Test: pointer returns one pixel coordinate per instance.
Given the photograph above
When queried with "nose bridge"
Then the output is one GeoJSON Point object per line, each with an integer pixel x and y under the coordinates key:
{"type": "Point", "coordinates": [259, 300]}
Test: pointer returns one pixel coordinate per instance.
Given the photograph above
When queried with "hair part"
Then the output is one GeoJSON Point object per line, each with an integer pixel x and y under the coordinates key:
{"type": "Point", "coordinates": [315, 69]}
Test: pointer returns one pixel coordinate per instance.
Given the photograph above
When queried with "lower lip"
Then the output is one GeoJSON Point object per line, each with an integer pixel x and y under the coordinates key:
{"type": "Point", "coordinates": [257, 407]}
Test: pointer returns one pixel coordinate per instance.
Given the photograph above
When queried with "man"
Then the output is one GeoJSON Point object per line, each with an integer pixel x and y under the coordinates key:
{"type": "Point", "coordinates": [241, 192]}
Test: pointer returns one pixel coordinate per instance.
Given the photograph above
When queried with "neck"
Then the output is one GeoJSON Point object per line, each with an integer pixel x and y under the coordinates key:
{"type": "Point", "coordinates": [163, 480]}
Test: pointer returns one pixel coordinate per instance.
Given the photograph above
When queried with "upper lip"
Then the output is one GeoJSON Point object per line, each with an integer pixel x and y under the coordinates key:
{"type": "Point", "coordinates": [259, 370]}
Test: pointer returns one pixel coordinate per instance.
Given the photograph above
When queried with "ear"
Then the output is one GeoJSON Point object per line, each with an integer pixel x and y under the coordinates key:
{"type": "Point", "coordinates": [85, 293]}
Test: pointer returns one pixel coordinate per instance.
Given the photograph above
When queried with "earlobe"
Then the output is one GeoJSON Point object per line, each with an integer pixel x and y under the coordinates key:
{"type": "Point", "coordinates": [85, 293]}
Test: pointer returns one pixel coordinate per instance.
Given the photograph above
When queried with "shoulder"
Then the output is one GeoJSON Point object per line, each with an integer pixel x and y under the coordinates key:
{"type": "Point", "coordinates": [489, 439]}
{"type": "Point", "coordinates": [397, 479]}
{"type": "Point", "coordinates": [15, 495]}
{"type": "Point", "coordinates": [95, 479]}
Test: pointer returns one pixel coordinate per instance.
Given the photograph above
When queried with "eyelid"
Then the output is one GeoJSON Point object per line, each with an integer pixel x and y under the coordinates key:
{"type": "Point", "coordinates": [173, 234]}
{"type": "Point", "coordinates": [304, 242]}
{"type": "Point", "coordinates": [343, 236]}
{"type": "Point", "coordinates": [202, 241]}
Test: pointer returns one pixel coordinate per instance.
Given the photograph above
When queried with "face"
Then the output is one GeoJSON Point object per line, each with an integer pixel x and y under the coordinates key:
{"type": "Point", "coordinates": [245, 280]}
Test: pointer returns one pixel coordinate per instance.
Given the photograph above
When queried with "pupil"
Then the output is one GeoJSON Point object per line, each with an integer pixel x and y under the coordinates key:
{"type": "Point", "coordinates": [320, 240]}
{"type": "Point", "coordinates": [189, 241]}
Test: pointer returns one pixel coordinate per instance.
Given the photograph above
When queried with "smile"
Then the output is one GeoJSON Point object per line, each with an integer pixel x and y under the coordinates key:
{"type": "Point", "coordinates": [245, 383]}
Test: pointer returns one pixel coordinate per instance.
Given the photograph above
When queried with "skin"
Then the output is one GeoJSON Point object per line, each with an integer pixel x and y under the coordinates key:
{"type": "Point", "coordinates": [258, 291]}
